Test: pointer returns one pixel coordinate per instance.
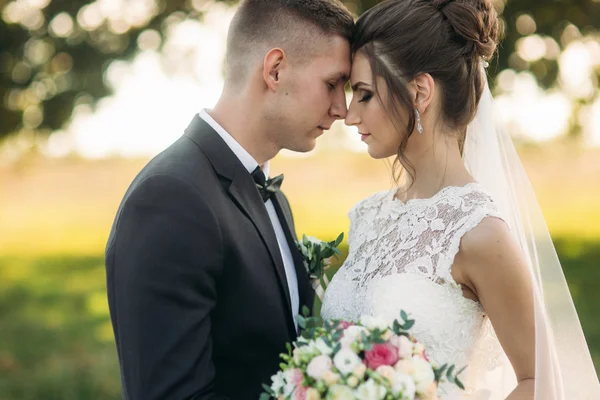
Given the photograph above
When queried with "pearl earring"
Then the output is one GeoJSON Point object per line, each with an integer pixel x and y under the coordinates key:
{"type": "Point", "coordinates": [419, 126]}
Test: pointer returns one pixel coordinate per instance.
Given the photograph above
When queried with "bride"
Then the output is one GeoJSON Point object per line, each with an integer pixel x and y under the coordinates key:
{"type": "Point", "coordinates": [460, 244]}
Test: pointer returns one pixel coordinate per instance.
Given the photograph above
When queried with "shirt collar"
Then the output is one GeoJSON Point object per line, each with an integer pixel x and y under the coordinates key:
{"type": "Point", "coordinates": [245, 158]}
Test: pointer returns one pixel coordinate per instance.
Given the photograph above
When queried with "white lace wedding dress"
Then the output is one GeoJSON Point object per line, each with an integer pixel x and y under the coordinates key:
{"type": "Point", "coordinates": [400, 258]}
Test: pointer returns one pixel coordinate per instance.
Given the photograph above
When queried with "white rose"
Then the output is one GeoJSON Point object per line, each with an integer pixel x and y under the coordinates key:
{"type": "Point", "coordinates": [373, 323]}
{"type": "Point", "coordinates": [354, 332]}
{"type": "Point", "coordinates": [339, 392]}
{"type": "Point", "coordinates": [322, 347]}
{"type": "Point", "coordinates": [330, 378]}
{"type": "Point", "coordinates": [404, 345]}
{"type": "Point", "coordinates": [405, 385]}
{"type": "Point", "coordinates": [319, 366]}
{"type": "Point", "coordinates": [370, 391]}
{"type": "Point", "coordinates": [346, 342]}
{"type": "Point", "coordinates": [406, 367]}
{"type": "Point", "coordinates": [345, 361]}
{"type": "Point", "coordinates": [312, 394]}
{"type": "Point", "coordinates": [353, 381]}
{"type": "Point", "coordinates": [423, 375]}
{"type": "Point", "coordinates": [360, 371]}
{"type": "Point", "coordinates": [386, 371]}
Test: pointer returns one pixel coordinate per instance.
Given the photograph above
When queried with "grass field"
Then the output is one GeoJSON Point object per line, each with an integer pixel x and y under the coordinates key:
{"type": "Point", "coordinates": [55, 216]}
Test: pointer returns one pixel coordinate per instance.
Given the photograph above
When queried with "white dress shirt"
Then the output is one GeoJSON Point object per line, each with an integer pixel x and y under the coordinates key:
{"type": "Point", "coordinates": [250, 164]}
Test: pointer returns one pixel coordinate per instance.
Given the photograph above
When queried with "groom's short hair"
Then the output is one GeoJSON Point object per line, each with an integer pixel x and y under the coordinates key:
{"type": "Point", "coordinates": [296, 26]}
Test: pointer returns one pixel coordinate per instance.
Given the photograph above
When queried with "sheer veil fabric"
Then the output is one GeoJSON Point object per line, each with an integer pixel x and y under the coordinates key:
{"type": "Point", "coordinates": [564, 368]}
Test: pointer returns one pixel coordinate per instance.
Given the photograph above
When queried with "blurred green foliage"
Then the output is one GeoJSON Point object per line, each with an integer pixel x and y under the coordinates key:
{"type": "Point", "coordinates": [57, 340]}
{"type": "Point", "coordinates": [54, 53]}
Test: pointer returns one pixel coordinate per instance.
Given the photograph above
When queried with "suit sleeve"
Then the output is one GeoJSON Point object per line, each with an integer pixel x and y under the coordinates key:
{"type": "Point", "coordinates": [166, 258]}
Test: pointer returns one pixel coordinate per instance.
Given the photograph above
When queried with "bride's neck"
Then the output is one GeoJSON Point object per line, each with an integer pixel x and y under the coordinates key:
{"type": "Point", "coordinates": [436, 165]}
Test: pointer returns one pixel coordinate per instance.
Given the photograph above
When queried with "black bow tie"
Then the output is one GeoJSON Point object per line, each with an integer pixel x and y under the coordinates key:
{"type": "Point", "coordinates": [266, 187]}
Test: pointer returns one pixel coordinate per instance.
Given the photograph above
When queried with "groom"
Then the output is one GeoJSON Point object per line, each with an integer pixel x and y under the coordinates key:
{"type": "Point", "coordinates": [204, 280]}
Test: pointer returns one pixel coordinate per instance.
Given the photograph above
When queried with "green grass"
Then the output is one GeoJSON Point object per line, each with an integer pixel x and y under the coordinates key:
{"type": "Point", "coordinates": [57, 340]}
{"type": "Point", "coordinates": [56, 335]}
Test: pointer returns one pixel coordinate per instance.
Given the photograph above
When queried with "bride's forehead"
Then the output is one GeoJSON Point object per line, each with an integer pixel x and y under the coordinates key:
{"type": "Point", "coordinates": [361, 68]}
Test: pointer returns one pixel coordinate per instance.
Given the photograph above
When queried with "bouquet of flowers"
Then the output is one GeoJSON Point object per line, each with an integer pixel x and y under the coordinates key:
{"type": "Point", "coordinates": [367, 360]}
{"type": "Point", "coordinates": [317, 255]}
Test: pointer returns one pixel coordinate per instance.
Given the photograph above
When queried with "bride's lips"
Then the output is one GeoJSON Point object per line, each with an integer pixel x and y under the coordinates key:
{"type": "Point", "coordinates": [364, 136]}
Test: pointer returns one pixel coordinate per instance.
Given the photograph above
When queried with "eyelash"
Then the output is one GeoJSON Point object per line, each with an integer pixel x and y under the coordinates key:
{"type": "Point", "coordinates": [366, 98]}
{"type": "Point", "coordinates": [330, 85]}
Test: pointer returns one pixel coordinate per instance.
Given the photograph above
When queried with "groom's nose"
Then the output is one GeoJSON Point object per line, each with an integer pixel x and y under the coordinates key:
{"type": "Point", "coordinates": [338, 108]}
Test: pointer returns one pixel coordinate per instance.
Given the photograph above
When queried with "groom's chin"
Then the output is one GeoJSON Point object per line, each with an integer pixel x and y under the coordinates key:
{"type": "Point", "coordinates": [305, 147]}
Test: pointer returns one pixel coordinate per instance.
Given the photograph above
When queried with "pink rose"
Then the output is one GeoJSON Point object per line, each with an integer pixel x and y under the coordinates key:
{"type": "Point", "coordinates": [381, 354]}
{"type": "Point", "coordinates": [404, 346]}
{"type": "Point", "coordinates": [300, 393]}
{"type": "Point", "coordinates": [295, 377]}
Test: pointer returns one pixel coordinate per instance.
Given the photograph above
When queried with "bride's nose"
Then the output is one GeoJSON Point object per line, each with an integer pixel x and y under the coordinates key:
{"type": "Point", "coordinates": [352, 117]}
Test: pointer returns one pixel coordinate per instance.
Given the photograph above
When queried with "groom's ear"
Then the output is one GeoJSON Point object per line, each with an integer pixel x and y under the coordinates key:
{"type": "Point", "coordinates": [272, 65]}
{"type": "Point", "coordinates": [424, 90]}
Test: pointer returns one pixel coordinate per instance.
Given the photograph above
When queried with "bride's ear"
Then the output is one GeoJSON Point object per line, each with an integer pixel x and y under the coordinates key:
{"type": "Point", "coordinates": [423, 91]}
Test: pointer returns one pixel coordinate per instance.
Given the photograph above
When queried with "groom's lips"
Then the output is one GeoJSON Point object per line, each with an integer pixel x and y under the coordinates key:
{"type": "Point", "coordinates": [363, 136]}
{"type": "Point", "coordinates": [325, 128]}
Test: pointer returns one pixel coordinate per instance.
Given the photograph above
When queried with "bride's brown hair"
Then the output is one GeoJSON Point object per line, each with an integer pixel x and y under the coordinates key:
{"type": "Point", "coordinates": [447, 39]}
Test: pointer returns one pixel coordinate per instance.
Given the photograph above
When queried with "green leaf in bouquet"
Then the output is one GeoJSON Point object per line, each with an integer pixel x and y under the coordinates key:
{"type": "Point", "coordinates": [328, 325]}
{"type": "Point", "coordinates": [403, 315]}
{"type": "Point", "coordinates": [337, 348]}
{"type": "Point", "coordinates": [409, 324]}
{"type": "Point", "coordinates": [269, 392]}
{"type": "Point", "coordinates": [449, 373]}
{"type": "Point", "coordinates": [305, 240]}
{"type": "Point", "coordinates": [265, 396]}
{"type": "Point", "coordinates": [305, 311]}
{"type": "Point", "coordinates": [396, 327]}
{"type": "Point", "coordinates": [339, 239]}
{"type": "Point", "coordinates": [364, 337]}
{"type": "Point", "coordinates": [301, 321]}
{"type": "Point", "coordinates": [459, 383]}
{"type": "Point", "coordinates": [439, 372]}
{"type": "Point", "coordinates": [337, 335]}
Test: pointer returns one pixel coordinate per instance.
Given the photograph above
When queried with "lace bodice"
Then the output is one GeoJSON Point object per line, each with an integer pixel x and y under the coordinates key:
{"type": "Point", "coordinates": [400, 258]}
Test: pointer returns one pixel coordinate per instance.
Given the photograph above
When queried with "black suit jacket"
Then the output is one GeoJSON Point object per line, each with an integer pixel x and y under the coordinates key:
{"type": "Point", "coordinates": [196, 284]}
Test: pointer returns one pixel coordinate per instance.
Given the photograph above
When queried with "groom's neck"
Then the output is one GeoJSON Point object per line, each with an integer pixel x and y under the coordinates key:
{"type": "Point", "coordinates": [243, 121]}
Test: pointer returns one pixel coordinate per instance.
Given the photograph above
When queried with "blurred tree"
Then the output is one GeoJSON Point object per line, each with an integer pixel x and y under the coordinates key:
{"type": "Point", "coordinates": [53, 53]}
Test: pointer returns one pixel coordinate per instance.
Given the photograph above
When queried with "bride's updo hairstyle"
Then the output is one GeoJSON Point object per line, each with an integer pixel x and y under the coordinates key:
{"type": "Point", "coordinates": [447, 39]}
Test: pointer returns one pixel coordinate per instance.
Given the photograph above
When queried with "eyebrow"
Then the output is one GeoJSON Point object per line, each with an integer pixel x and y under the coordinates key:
{"type": "Point", "coordinates": [342, 77]}
{"type": "Point", "coordinates": [357, 85]}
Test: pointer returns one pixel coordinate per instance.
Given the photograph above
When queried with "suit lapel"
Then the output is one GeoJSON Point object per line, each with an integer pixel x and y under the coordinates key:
{"type": "Point", "coordinates": [242, 190]}
{"type": "Point", "coordinates": [287, 221]}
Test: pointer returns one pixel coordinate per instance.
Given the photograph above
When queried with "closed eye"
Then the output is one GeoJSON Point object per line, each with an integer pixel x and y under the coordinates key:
{"type": "Point", "coordinates": [365, 97]}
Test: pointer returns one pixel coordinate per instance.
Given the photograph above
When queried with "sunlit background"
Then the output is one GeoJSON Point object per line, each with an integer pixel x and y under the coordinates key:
{"type": "Point", "coordinates": [91, 90]}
